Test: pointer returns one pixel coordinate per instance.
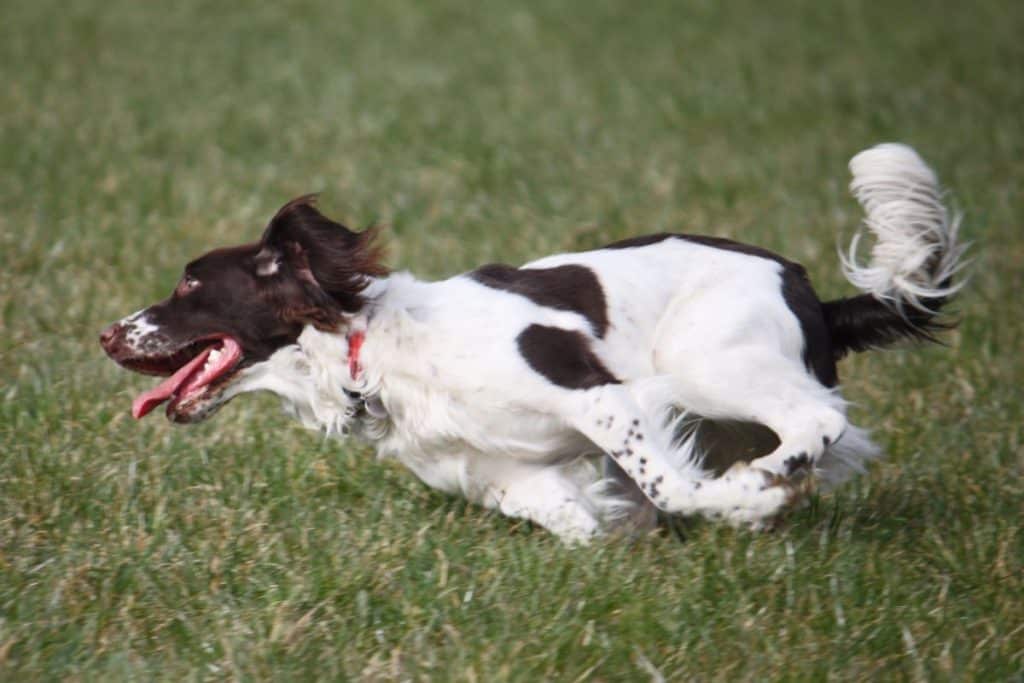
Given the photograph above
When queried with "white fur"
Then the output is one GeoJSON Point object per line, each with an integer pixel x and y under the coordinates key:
{"type": "Point", "coordinates": [916, 248]}
{"type": "Point", "coordinates": [137, 327]}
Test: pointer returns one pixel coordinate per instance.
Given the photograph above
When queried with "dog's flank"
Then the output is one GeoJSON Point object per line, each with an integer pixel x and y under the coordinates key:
{"type": "Point", "coordinates": [701, 371]}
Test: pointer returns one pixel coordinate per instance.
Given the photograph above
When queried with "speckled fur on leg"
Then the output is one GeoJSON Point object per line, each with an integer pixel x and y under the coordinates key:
{"type": "Point", "coordinates": [640, 446]}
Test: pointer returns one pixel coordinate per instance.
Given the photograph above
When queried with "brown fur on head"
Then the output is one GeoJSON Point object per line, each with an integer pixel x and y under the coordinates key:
{"type": "Point", "coordinates": [324, 254]}
{"type": "Point", "coordinates": [247, 301]}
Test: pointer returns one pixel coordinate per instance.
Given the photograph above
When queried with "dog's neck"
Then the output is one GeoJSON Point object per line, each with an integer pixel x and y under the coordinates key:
{"type": "Point", "coordinates": [333, 381]}
{"type": "Point", "coordinates": [314, 378]}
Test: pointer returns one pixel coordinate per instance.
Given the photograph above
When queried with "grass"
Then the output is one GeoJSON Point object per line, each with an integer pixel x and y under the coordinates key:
{"type": "Point", "coordinates": [134, 136]}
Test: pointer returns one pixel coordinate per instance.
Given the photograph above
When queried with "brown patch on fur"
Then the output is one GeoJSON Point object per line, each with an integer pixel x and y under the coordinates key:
{"type": "Point", "coordinates": [570, 287]}
{"type": "Point", "coordinates": [564, 357]}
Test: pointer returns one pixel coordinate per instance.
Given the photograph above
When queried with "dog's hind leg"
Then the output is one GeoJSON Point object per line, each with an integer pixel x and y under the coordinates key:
{"type": "Point", "coordinates": [612, 418]}
{"type": "Point", "coordinates": [760, 385]}
{"type": "Point", "coordinates": [736, 353]}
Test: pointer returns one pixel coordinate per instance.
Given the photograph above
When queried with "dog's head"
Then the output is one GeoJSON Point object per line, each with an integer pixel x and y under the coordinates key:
{"type": "Point", "coordinates": [234, 307]}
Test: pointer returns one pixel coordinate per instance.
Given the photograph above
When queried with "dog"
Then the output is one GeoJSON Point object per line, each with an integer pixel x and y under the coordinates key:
{"type": "Point", "coordinates": [586, 392]}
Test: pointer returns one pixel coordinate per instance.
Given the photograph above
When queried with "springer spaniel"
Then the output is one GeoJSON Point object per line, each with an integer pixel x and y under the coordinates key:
{"type": "Point", "coordinates": [691, 375]}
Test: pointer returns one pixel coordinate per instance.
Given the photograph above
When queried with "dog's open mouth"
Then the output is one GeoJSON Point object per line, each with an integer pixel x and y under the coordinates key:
{"type": "Point", "coordinates": [192, 372]}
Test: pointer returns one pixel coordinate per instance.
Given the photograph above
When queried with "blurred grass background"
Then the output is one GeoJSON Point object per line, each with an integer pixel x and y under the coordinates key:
{"type": "Point", "coordinates": [134, 136]}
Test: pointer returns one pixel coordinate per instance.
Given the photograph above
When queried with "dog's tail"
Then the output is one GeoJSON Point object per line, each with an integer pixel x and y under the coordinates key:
{"type": "Point", "coordinates": [909, 276]}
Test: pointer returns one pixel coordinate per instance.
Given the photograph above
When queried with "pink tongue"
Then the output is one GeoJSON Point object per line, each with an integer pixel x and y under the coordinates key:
{"type": "Point", "coordinates": [147, 400]}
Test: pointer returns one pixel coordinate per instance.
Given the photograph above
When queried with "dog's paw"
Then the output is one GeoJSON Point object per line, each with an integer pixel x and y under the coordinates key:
{"type": "Point", "coordinates": [573, 525]}
{"type": "Point", "coordinates": [758, 497]}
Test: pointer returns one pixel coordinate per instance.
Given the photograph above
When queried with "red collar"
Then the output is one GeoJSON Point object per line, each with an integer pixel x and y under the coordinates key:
{"type": "Point", "coordinates": [355, 343]}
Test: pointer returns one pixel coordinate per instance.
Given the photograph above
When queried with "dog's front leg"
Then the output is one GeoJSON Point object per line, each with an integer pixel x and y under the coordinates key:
{"type": "Point", "coordinates": [674, 482]}
{"type": "Point", "coordinates": [546, 496]}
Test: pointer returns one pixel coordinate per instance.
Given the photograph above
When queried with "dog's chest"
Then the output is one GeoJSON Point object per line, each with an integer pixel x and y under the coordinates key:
{"type": "Point", "coordinates": [451, 442]}
{"type": "Point", "coordinates": [428, 417]}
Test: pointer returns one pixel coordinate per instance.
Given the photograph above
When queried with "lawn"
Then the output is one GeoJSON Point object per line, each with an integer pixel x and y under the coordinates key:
{"type": "Point", "coordinates": [134, 136]}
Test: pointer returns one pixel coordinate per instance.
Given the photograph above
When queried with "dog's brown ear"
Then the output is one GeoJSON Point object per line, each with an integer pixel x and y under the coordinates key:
{"type": "Point", "coordinates": [294, 289]}
{"type": "Point", "coordinates": [318, 250]}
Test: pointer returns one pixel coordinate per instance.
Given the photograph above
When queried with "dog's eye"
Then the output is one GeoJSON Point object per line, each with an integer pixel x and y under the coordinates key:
{"type": "Point", "coordinates": [186, 285]}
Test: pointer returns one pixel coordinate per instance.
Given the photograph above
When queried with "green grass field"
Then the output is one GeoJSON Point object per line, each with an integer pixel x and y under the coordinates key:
{"type": "Point", "coordinates": [134, 136]}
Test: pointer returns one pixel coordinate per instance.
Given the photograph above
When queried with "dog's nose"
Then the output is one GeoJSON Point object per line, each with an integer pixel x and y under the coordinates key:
{"type": "Point", "coordinates": [110, 336]}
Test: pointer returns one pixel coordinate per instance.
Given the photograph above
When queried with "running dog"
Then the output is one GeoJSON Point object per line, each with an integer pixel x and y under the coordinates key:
{"type": "Point", "coordinates": [587, 391]}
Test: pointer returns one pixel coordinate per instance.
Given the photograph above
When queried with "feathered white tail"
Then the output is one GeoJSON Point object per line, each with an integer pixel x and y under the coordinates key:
{"type": "Point", "coordinates": [916, 253]}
